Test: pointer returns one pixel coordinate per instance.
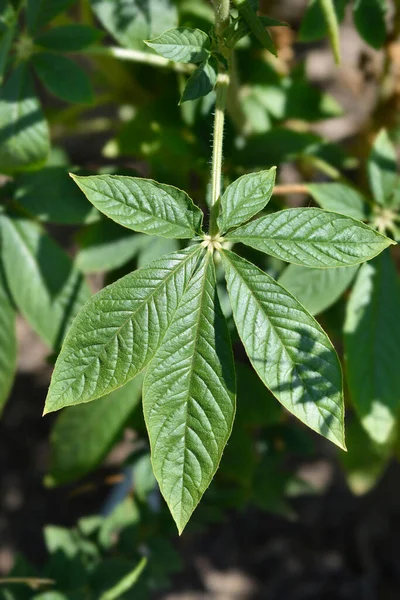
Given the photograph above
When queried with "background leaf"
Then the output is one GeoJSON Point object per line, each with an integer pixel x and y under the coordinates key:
{"type": "Point", "coordinates": [8, 341]}
{"type": "Point", "coordinates": [245, 197]}
{"type": "Point", "coordinates": [68, 38]}
{"type": "Point", "coordinates": [119, 330]}
{"type": "Point", "coordinates": [63, 77]}
{"type": "Point", "coordinates": [156, 247]}
{"type": "Point", "coordinates": [317, 289]}
{"type": "Point", "coordinates": [126, 583]}
{"type": "Point", "coordinates": [182, 45]}
{"type": "Point", "coordinates": [364, 462]}
{"type": "Point", "coordinates": [7, 31]}
{"type": "Point", "coordinates": [314, 26]}
{"type": "Point", "coordinates": [82, 435]}
{"type": "Point", "coordinates": [24, 135]}
{"type": "Point", "coordinates": [372, 347]}
{"type": "Point", "coordinates": [143, 204]}
{"type": "Point", "coordinates": [256, 406]}
{"type": "Point", "coordinates": [340, 198]}
{"type": "Point", "coordinates": [46, 287]}
{"type": "Point", "coordinates": [369, 19]}
{"type": "Point", "coordinates": [290, 352]}
{"type": "Point", "coordinates": [255, 24]}
{"type": "Point", "coordinates": [382, 169]}
{"type": "Point", "coordinates": [132, 21]}
{"type": "Point", "coordinates": [40, 12]}
{"type": "Point", "coordinates": [51, 196]}
{"type": "Point", "coordinates": [105, 246]}
{"type": "Point", "coordinates": [312, 237]}
{"type": "Point", "coordinates": [189, 396]}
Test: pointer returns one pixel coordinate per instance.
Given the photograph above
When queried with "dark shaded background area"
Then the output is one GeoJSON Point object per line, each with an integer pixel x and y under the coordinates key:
{"type": "Point", "coordinates": [340, 546]}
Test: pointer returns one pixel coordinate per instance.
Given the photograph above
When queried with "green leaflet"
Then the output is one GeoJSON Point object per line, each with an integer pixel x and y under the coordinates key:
{"type": "Point", "coordinates": [382, 169]}
{"type": "Point", "coordinates": [312, 237]}
{"type": "Point", "coordinates": [255, 24]}
{"type": "Point", "coordinates": [143, 205]}
{"type": "Point", "coordinates": [369, 19]}
{"type": "Point", "coordinates": [68, 38]}
{"type": "Point", "coordinates": [40, 12]}
{"type": "Point", "coordinates": [182, 45]}
{"type": "Point", "coordinates": [126, 583]}
{"type": "Point", "coordinates": [82, 435]}
{"type": "Point", "coordinates": [8, 342]}
{"type": "Point", "coordinates": [245, 197]}
{"type": "Point", "coordinates": [132, 21]}
{"type": "Point", "coordinates": [239, 28]}
{"type": "Point", "coordinates": [286, 346]}
{"type": "Point", "coordinates": [314, 25]}
{"type": "Point", "coordinates": [202, 81]}
{"type": "Point", "coordinates": [119, 330]}
{"type": "Point", "coordinates": [51, 196]}
{"type": "Point", "coordinates": [340, 198]}
{"type": "Point", "coordinates": [63, 77]}
{"type": "Point", "coordinates": [46, 287]}
{"type": "Point", "coordinates": [189, 396]}
{"type": "Point", "coordinates": [24, 135]}
{"type": "Point", "coordinates": [364, 462]}
{"type": "Point", "coordinates": [317, 289]}
{"type": "Point", "coordinates": [372, 347]}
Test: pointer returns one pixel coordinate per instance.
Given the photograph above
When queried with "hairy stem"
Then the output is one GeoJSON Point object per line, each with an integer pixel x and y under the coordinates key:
{"type": "Point", "coordinates": [221, 8]}
{"type": "Point", "coordinates": [218, 135]}
{"type": "Point", "coordinates": [221, 22]}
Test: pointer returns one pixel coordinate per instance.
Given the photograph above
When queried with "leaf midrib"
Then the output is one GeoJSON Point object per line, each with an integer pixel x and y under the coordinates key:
{"type": "Point", "coordinates": [197, 326]}
{"type": "Point", "coordinates": [299, 240]}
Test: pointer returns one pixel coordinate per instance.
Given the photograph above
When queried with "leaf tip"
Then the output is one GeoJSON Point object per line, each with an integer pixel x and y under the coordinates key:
{"type": "Point", "coordinates": [339, 441]}
{"type": "Point", "coordinates": [47, 409]}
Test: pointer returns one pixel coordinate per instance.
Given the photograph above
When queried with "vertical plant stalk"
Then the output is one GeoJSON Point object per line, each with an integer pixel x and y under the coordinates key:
{"type": "Point", "coordinates": [221, 22]}
{"type": "Point", "coordinates": [328, 8]}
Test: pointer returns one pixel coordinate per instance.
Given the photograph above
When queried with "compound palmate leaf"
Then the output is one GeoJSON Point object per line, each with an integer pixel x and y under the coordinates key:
{"type": "Point", "coordinates": [312, 237]}
{"type": "Point", "coordinates": [286, 346]}
{"type": "Point", "coordinates": [119, 330]}
{"type": "Point", "coordinates": [189, 396]}
{"type": "Point", "coordinates": [143, 205]}
{"type": "Point", "coordinates": [245, 197]}
{"type": "Point", "coordinates": [182, 45]}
